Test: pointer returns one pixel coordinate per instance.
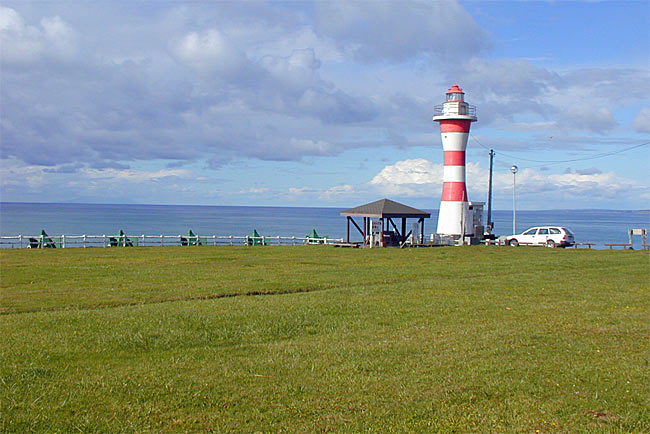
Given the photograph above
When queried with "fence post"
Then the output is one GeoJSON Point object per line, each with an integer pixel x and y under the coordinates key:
{"type": "Point", "coordinates": [84, 241]}
{"type": "Point", "coordinates": [20, 240]}
{"type": "Point", "coordinates": [293, 240]}
{"type": "Point", "coordinates": [63, 241]}
{"type": "Point", "coordinates": [231, 240]}
{"type": "Point", "coordinates": [162, 242]}
{"type": "Point", "coordinates": [104, 239]}
{"type": "Point", "coordinates": [41, 243]}
{"type": "Point", "coordinates": [142, 240]}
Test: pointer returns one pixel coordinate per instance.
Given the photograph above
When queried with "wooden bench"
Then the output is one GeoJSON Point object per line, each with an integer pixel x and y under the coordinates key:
{"type": "Point", "coordinates": [624, 245]}
{"type": "Point", "coordinates": [493, 242]}
{"type": "Point", "coordinates": [353, 245]}
{"type": "Point", "coordinates": [575, 245]}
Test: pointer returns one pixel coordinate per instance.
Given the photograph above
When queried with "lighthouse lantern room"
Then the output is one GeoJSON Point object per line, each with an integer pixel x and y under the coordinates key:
{"type": "Point", "coordinates": [455, 117]}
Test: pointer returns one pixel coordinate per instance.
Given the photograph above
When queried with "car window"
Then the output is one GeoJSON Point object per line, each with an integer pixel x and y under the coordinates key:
{"type": "Point", "coordinates": [567, 231]}
{"type": "Point", "coordinates": [543, 231]}
{"type": "Point", "coordinates": [554, 231]}
{"type": "Point", "coordinates": [530, 232]}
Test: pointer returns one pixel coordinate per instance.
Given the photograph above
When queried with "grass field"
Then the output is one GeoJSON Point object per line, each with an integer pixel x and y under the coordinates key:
{"type": "Point", "coordinates": [314, 339]}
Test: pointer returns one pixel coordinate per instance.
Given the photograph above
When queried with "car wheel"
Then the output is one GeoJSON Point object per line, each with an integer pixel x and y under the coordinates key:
{"type": "Point", "coordinates": [513, 243]}
{"type": "Point", "coordinates": [550, 243]}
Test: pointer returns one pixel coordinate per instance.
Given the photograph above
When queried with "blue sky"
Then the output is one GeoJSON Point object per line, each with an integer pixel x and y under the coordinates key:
{"type": "Point", "coordinates": [322, 103]}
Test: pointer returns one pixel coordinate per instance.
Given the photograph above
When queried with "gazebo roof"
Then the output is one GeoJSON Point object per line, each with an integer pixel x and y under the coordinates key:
{"type": "Point", "coordinates": [385, 208]}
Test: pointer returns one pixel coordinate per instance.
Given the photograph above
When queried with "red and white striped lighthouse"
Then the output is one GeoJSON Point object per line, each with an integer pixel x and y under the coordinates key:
{"type": "Point", "coordinates": [455, 117]}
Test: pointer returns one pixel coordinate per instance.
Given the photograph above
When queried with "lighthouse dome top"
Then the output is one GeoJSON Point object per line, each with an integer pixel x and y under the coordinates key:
{"type": "Point", "coordinates": [455, 93]}
{"type": "Point", "coordinates": [454, 107]}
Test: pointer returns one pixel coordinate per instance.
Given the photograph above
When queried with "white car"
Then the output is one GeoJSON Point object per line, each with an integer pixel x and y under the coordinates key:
{"type": "Point", "coordinates": [551, 236]}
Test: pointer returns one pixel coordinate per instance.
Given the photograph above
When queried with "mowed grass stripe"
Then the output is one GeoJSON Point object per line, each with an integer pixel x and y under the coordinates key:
{"type": "Point", "coordinates": [454, 343]}
{"type": "Point", "coordinates": [87, 278]}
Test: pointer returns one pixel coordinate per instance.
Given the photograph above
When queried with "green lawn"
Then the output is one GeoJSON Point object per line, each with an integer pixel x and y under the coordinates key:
{"type": "Point", "coordinates": [315, 339]}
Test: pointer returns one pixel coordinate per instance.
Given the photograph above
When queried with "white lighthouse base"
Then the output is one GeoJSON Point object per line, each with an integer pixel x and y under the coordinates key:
{"type": "Point", "coordinates": [452, 217]}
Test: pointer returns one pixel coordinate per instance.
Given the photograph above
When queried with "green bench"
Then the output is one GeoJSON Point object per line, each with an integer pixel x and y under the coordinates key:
{"type": "Point", "coordinates": [191, 239]}
{"type": "Point", "coordinates": [122, 240]}
{"type": "Point", "coordinates": [44, 241]}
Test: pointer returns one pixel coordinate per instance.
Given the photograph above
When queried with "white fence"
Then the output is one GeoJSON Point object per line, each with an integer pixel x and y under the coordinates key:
{"type": "Point", "coordinates": [67, 241]}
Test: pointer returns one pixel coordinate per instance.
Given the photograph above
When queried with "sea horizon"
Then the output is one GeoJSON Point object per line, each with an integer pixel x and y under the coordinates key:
{"type": "Point", "coordinates": [642, 210]}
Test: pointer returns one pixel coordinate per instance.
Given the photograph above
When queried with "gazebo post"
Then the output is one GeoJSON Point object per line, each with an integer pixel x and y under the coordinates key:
{"type": "Point", "coordinates": [368, 230]}
{"type": "Point", "coordinates": [365, 228]}
{"type": "Point", "coordinates": [348, 238]}
{"type": "Point", "coordinates": [368, 227]}
{"type": "Point", "coordinates": [403, 237]}
{"type": "Point", "coordinates": [422, 230]}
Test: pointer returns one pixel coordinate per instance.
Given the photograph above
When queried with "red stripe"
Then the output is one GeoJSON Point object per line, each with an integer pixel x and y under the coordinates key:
{"type": "Point", "coordinates": [455, 125]}
{"type": "Point", "coordinates": [454, 158]}
{"type": "Point", "coordinates": [454, 191]}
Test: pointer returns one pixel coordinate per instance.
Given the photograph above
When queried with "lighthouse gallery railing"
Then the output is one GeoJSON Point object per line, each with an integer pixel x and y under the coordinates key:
{"type": "Point", "coordinates": [439, 110]}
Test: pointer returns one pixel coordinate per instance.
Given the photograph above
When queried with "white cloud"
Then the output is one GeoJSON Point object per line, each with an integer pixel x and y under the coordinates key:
{"type": "Point", "coordinates": [10, 20]}
{"type": "Point", "coordinates": [210, 51]}
{"type": "Point", "coordinates": [134, 175]}
{"type": "Point", "coordinates": [337, 192]}
{"type": "Point", "coordinates": [23, 43]}
{"type": "Point", "coordinates": [518, 93]}
{"type": "Point", "coordinates": [311, 147]}
{"type": "Point", "coordinates": [13, 175]}
{"type": "Point", "coordinates": [254, 190]}
{"type": "Point", "coordinates": [642, 121]}
{"type": "Point", "coordinates": [13, 172]}
{"type": "Point", "coordinates": [298, 68]}
{"type": "Point", "coordinates": [415, 177]}
{"type": "Point", "coordinates": [422, 178]}
{"type": "Point", "coordinates": [298, 191]}
{"type": "Point", "coordinates": [375, 31]}
{"type": "Point", "coordinates": [60, 183]}
{"type": "Point", "coordinates": [19, 42]}
{"type": "Point", "coordinates": [578, 185]}
{"type": "Point", "coordinates": [61, 36]}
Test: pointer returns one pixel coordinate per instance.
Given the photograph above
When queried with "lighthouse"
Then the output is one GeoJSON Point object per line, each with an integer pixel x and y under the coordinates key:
{"type": "Point", "coordinates": [455, 117]}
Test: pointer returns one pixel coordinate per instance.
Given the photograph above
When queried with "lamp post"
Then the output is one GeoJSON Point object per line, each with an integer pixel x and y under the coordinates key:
{"type": "Point", "coordinates": [514, 169]}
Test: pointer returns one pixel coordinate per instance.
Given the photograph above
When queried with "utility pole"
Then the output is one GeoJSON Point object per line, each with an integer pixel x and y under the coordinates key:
{"type": "Point", "coordinates": [490, 224]}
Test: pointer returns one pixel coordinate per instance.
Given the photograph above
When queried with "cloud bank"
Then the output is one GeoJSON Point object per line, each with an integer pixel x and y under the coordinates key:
{"type": "Point", "coordinates": [92, 93]}
{"type": "Point", "coordinates": [421, 178]}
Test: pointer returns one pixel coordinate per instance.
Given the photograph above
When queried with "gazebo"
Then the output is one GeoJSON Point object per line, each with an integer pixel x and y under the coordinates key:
{"type": "Point", "coordinates": [385, 210]}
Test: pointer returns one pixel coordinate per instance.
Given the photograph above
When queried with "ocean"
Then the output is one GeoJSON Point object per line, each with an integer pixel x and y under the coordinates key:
{"type": "Point", "coordinates": [28, 219]}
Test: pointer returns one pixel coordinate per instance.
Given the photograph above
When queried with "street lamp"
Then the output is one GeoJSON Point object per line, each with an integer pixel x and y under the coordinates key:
{"type": "Point", "coordinates": [514, 169]}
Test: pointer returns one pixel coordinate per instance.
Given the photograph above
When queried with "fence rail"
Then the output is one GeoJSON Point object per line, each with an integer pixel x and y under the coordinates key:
{"type": "Point", "coordinates": [67, 241]}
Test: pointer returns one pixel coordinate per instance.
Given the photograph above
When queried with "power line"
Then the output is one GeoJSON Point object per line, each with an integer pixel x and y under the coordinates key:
{"type": "Point", "coordinates": [604, 154]}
